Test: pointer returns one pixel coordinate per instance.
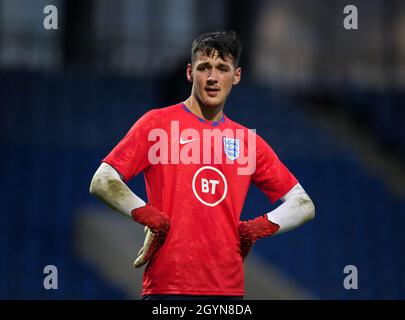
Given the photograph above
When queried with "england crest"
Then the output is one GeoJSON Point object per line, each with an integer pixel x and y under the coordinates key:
{"type": "Point", "coordinates": [231, 148]}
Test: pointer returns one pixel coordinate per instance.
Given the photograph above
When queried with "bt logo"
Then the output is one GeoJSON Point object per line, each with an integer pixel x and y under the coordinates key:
{"type": "Point", "coordinates": [209, 186]}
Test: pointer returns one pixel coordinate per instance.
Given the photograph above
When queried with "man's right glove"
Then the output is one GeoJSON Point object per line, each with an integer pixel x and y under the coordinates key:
{"type": "Point", "coordinates": [252, 230]}
{"type": "Point", "coordinates": [157, 226]}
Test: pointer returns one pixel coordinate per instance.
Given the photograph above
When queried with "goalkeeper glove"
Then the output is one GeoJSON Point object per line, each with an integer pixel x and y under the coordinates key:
{"type": "Point", "coordinates": [151, 244]}
{"type": "Point", "coordinates": [147, 215]}
{"type": "Point", "coordinates": [252, 230]}
{"type": "Point", "coordinates": [157, 226]}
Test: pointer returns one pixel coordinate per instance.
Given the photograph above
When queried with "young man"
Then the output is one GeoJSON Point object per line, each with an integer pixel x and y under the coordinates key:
{"type": "Point", "coordinates": [197, 176]}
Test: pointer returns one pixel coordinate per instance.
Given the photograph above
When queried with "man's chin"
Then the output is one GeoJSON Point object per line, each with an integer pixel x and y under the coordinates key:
{"type": "Point", "coordinates": [212, 102]}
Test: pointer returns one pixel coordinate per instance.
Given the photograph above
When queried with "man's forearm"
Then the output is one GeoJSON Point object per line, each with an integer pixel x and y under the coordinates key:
{"type": "Point", "coordinates": [296, 209]}
{"type": "Point", "coordinates": [108, 187]}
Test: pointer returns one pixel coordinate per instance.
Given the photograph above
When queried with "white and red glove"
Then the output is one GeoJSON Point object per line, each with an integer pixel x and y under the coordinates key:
{"type": "Point", "coordinates": [157, 226]}
{"type": "Point", "coordinates": [252, 230]}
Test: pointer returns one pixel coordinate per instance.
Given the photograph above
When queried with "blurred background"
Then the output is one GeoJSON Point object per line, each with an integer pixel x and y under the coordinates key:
{"type": "Point", "coordinates": [330, 101]}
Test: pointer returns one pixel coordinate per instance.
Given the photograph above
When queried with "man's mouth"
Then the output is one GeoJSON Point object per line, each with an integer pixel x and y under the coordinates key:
{"type": "Point", "coordinates": [211, 91]}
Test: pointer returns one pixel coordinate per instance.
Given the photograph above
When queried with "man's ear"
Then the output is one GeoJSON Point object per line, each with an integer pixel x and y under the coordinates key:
{"type": "Point", "coordinates": [190, 72]}
{"type": "Point", "coordinates": [236, 77]}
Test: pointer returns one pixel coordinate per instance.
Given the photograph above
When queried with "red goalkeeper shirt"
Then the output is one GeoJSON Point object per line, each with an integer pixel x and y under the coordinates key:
{"type": "Point", "coordinates": [198, 172]}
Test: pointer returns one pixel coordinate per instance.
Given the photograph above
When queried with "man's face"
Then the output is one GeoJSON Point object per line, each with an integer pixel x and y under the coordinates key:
{"type": "Point", "coordinates": [212, 78]}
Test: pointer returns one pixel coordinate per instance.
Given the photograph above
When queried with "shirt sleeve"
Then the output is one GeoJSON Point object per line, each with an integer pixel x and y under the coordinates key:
{"type": "Point", "coordinates": [271, 175]}
{"type": "Point", "coordinates": [130, 156]}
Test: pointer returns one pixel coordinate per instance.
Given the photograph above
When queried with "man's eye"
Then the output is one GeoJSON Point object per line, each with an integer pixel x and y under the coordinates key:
{"type": "Point", "coordinates": [203, 68]}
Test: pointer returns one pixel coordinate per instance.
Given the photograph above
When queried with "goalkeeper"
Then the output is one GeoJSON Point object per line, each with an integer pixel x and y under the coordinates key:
{"type": "Point", "coordinates": [196, 184]}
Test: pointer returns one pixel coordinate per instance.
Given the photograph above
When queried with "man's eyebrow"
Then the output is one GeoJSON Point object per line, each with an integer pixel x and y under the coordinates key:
{"type": "Point", "coordinates": [208, 64]}
{"type": "Point", "coordinates": [204, 64]}
{"type": "Point", "coordinates": [223, 65]}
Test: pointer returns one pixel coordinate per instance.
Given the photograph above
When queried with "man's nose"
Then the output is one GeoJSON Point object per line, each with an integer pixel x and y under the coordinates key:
{"type": "Point", "coordinates": [212, 76]}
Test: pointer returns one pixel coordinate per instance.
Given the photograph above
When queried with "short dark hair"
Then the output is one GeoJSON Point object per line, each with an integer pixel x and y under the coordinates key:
{"type": "Point", "coordinates": [226, 43]}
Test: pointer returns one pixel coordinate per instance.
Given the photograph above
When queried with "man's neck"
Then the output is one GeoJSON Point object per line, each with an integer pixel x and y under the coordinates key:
{"type": "Point", "coordinates": [202, 111]}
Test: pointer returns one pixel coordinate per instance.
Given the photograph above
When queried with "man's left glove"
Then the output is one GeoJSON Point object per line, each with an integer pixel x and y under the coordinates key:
{"type": "Point", "coordinates": [157, 226]}
{"type": "Point", "coordinates": [252, 230]}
